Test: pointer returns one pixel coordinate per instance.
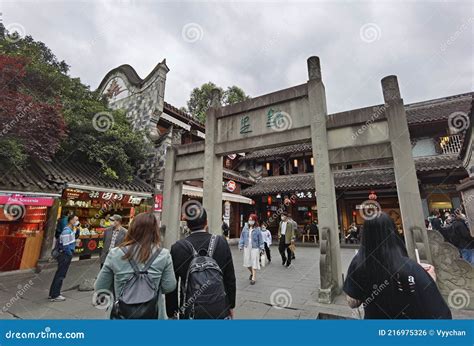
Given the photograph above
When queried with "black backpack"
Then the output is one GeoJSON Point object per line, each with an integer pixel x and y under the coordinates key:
{"type": "Point", "coordinates": [204, 292]}
{"type": "Point", "coordinates": [139, 296]}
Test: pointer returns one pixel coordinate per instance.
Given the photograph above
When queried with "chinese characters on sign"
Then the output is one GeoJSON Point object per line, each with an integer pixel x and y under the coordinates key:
{"type": "Point", "coordinates": [245, 125]}
{"type": "Point", "coordinates": [307, 194]}
{"type": "Point", "coordinates": [274, 118]}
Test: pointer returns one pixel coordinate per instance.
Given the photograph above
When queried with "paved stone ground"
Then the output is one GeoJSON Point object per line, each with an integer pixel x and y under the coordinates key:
{"type": "Point", "coordinates": [296, 286]}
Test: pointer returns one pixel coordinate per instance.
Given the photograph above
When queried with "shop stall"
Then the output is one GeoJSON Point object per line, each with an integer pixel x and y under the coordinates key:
{"type": "Point", "coordinates": [94, 208]}
{"type": "Point", "coordinates": [22, 225]}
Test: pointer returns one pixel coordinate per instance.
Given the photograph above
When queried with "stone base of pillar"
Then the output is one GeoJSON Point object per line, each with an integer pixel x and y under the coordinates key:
{"type": "Point", "coordinates": [455, 276]}
{"type": "Point", "coordinates": [44, 263]}
{"type": "Point", "coordinates": [466, 187]}
{"type": "Point", "coordinates": [326, 295]}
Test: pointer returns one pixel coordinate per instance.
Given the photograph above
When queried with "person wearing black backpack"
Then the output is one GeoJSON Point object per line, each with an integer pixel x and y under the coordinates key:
{"type": "Point", "coordinates": [386, 282]}
{"type": "Point", "coordinates": [203, 265]}
{"type": "Point", "coordinates": [136, 274]}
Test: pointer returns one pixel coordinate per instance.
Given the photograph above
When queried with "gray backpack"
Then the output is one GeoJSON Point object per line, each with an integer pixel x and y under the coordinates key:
{"type": "Point", "coordinates": [138, 298]}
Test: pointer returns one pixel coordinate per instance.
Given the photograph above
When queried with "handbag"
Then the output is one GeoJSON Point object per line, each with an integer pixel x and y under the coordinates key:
{"type": "Point", "coordinates": [55, 250]}
{"type": "Point", "coordinates": [292, 247]}
{"type": "Point", "coordinates": [263, 260]}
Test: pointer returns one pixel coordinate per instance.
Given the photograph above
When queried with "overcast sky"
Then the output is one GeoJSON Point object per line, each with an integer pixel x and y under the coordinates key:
{"type": "Point", "coordinates": [263, 46]}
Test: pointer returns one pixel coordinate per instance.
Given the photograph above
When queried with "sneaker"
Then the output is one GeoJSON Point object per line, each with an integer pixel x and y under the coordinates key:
{"type": "Point", "coordinates": [283, 262]}
{"type": "Point", "coordinates": [288, 265]}
{"type": "Point", "coordinates": [59, 298]}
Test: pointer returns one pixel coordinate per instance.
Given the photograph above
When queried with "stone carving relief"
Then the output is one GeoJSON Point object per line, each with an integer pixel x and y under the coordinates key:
{"type": "Point", "coordinates": [455, 276]}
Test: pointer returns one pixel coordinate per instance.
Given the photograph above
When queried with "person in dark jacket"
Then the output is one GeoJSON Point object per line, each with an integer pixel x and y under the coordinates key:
{"type": "Point", "coordinates": [387, 283]}
{"type": "Point", "coordinates": [113, 237]}
{"type": "Point", "coordinates": [182, 256]}
{"type": "Point", "coordinates": [436, 221]}
{"type": "Point", "coordinates": [225, 229]}
{"type": "Point", "coordinates": [459, 235]}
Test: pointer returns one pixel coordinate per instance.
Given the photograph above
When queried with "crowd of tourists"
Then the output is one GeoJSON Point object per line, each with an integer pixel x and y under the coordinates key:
{"type": "Point", "coordinates": [195, 279]}
{"type": "Point", "coordinates": [455, 229]}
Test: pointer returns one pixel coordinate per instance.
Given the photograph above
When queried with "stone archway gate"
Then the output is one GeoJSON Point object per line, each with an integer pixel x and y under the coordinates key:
{"type": "Point", "coordinates": [292, 116]}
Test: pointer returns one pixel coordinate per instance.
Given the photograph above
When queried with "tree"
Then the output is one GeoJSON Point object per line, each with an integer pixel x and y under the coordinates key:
{"type": "Point", "coordinates": [29, 127]}
{"type": "Point", "coordinates": [234, 94]}
{"type": "Point", "coordinates": [200, 98]}
{"type": "Point", "coordinates": [35, 76]}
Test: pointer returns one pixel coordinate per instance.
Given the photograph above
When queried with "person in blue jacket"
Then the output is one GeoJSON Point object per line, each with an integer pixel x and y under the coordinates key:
{"type": "Point", "coordinates": [251, 241]}
{"type": "Point", "coordinates": [67, 245]}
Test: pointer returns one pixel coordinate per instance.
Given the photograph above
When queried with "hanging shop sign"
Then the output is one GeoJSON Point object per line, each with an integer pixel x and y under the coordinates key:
{"type": "Point", "coordinates": [231, 186]}
{"type": "Point", "coordinates": [226, 209]}
{"type": "Point", "coordinates": [158, 202]}
{"type": "Point", "coordinates": [307, 194]}
{"type": "Point", "coordinates": [79, 198]}
{"type": "Point", "coordinates": [26, 200]}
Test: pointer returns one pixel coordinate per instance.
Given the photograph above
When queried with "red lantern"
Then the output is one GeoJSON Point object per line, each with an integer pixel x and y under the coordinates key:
{"type": "Point", "coordinates": [269, 213]}
{"type": "Point", "coordinates": [269, 200]}
{"type": "Point", "coordinates": [372, 196]}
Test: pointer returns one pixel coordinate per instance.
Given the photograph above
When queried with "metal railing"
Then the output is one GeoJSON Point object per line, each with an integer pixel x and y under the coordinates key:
{"type": "Point", "coordinates": [450, 144]}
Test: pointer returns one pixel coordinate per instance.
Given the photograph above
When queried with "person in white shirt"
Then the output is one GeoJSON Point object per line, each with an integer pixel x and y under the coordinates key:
{"type": "Point", "coordinates": [267, 239]}
{"type": "Point", "coordinates": [286, 236]}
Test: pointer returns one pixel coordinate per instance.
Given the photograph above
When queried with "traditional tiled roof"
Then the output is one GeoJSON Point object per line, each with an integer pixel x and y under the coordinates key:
{"type": "Point", "coordinates": [184, 116]}
{"type": "Point", "coordinates": [360, 178]}
{"type": "Point", "coordinates": [417, 113]}
{"type": "Point", "coordinates": [131, 74]}
{"type": "Point", "coordinates": [437, 162]}
{"type": "Point", "coordinates": [88, 175]}
{"type": "Point", "coordinates": [233, 175]}
{"type": "Point", "coordinates": [28, 179]}
{"type": "Point", "coordinates": [52, 177]}
{"type": "Point", "coordinates": [278, 151]}
{"type": "Point", "coordinates": [305, 182]}
{"type": "Point", "coordinates": [438, 109]}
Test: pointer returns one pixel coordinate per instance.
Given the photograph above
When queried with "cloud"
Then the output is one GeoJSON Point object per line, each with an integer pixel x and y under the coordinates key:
{"type": "Point", "coordinates": [263, 46]}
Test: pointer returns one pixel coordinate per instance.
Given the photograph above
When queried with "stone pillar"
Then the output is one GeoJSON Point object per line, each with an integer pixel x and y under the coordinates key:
{"type": "Point", "coordinates": [212, 196]}
{"type": "Point", "coordinates": [172, 192]}
{"type": "Point", "coordinates": [48, 236]}
{"type": "Point", "coordinates": [467, 193]}
{"type": "Point", "coordinates": [466, 186]}
{"type": "Point", "coordinates": [405, 172]}
{"type": "Point", "coordinates": [331, 283]}
{"type": "Point", "coordinates": [49, 232]}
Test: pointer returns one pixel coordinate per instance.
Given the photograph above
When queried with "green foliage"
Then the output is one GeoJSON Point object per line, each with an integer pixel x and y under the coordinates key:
{"type": "Point", "coordinates": [12, 153]}
{"type": "Point", "coordinates": [117, 151]}
{"type": "Point", "coordinates": [200, 98]}
{"type": "Point", "coordinates": [234, 94]}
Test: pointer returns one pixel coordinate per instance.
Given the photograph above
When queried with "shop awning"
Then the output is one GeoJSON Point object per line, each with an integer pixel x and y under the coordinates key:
{"type": "Point", "coordinates": [195, 191]}
{"type": "Point", "coordinates": [103, 189]}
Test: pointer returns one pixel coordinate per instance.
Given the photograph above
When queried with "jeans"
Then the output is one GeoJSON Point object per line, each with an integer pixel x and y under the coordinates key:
{"type": "Point", "coordinates": [267, 251]}
{"type": "Point", "coordinates": [64, 261]}
{"type": "Point", "coordinates": [468, 255]}
{"type": "Point", "coordinates": [282, 247]}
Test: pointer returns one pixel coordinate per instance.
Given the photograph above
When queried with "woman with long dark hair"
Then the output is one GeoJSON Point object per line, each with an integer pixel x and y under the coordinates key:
{"type": "Point", "coordinates": [251, 241]}
{"type": "Point", "coordinates": [141, 247]}
{"type": "Point", "coordinates": [387, 282]}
